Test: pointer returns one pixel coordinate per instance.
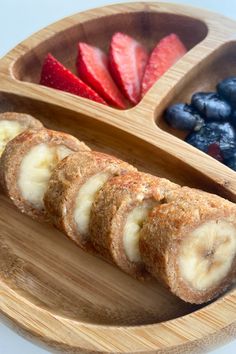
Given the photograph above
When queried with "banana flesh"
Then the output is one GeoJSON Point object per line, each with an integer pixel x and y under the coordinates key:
{"type": "Point", "coordinates": [85, 199]}
{"type": "Point", "coordinates": [9, 129]}
{"type": "Point", "coordinates": [36, 169]}
{"type": "Point", "coordinates": [206, 255]}
{"type": "Point", "coordinates": [133, 225]}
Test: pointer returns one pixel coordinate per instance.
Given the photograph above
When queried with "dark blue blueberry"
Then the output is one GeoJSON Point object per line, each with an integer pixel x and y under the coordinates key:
{"type": "Point", "coordinates": [211, 106]}
{"type": "Point", "coordinates": [227, 140]}
{"type": "Point", "coordinates": [231, 162]}
{"type": "Point", "coordinates": [184, 117]}
{"type": "Point", "coordinates": [198, 140]}
{"type": "Point", "coordinates": [206, 136]}
{"type": "Point", "coordinates": [233, 118]}
{"type": "Point", "coordinates": [221, 133]}
{"type": "Point", "coordinates": [227, 89]}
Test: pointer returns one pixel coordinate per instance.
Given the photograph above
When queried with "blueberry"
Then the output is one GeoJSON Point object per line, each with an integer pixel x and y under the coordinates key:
{"type": "Point", "coordinates": [233, 118]}
{"type": "Point", "coordinates": [198, 140]}
{"type": "Point", "coordinates": [227, 140]}
{"type": "Point", "coordinates": [231, 162]}
{"type": "Point", "coordinates": [206, 136]}
{"type": "Point", "coordinates": [211, 106]}
{"type": "Point", "coordinates": [227, 89]}
{"type": "Point", "coordinates": [221, 133]}
{"type": "Point", "coordinates": [184, 117]}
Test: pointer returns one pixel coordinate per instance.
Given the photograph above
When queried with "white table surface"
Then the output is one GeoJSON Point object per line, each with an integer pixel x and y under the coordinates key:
{"type": "Point", "coordinates": [18, 20]}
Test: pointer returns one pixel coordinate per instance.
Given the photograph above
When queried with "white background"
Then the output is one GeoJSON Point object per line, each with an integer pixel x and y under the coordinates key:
{"type": "Point", "coordinates": [18, 20]}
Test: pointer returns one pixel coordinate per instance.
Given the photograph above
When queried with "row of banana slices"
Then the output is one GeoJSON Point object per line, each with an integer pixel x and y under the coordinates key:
{"type": "Point", "coordinates": [184, 237]}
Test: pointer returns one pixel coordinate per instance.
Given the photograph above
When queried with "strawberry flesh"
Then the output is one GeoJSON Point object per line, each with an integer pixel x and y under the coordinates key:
{"type": "Point", "coordinates": [166, 53]}
{"type": "Point", "coordinates": [127, 60]}
{"type": "Point", "coordinates": [92, 67]}
{"type": "Point", "coordinates": [56, 76]}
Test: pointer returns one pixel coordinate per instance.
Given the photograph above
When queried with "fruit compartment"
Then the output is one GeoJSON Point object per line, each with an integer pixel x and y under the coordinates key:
{"type": "Point", "coordinates": [217, 66]}
{"type": "Point", "coordinates": [146, 26]}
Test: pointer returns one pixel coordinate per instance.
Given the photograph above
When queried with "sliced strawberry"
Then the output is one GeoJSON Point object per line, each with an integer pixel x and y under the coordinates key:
{"type": "Point", "coordinates": [55, 75]}
{"type": "Point", "coordinates": [128, 59]}
{"type": "Point", "coordinates": [214, 151]}
{"type": "Point", "coordinates": [92, 66]}
{"type": "Point", "coordinates": [167, 52]}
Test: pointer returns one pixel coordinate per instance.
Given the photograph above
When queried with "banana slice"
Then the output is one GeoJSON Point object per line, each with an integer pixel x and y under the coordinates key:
{"type": "Point", "coordinates": [118, 213]}
{"type": "Point", "coordinates": [189, 244]}
{"type": "Point", "coordinates": [8, 131]}
{"type": "Point", "coordinates": [73, 187]}
{"type": "Point", "coordinates": [35, 171]}
{"type": "Point", "coordinates": [27, 164]}
{"type": "Point", "coordinates": [12, 124]}
{"type": "Point", "coordinates": [206, 255]}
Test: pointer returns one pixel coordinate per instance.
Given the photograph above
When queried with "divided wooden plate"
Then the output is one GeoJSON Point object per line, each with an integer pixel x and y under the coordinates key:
{"type": "Point", "coordinates": [50, 289]}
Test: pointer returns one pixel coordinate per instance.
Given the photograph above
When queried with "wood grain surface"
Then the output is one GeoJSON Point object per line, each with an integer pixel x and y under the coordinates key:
{"type": "Point", "coordinates": [50, 289]}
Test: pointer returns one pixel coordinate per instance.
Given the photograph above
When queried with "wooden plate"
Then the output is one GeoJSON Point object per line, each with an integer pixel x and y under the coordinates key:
{"type": "Point", "coordinates": [50, 289]}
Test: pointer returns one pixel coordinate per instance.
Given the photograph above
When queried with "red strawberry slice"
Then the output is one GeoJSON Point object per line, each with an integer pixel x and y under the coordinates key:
{"type": "Point", "coordinates": [167, 52]}
{"type": "Point", "coordinates": [214, 151]}
{"type": "Point", "coordinates": [55, 75]}
{"type": "Point", "coordinates": [128, 59]}
{"type": "Point", "coordinates": [92, 66]}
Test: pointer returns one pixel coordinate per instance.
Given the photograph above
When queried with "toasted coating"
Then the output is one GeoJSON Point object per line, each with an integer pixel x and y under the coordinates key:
{"type": "Point", "coordinates": [13, 155]}
{"type": "Point", "coordinates": [166, 228]}
{"type": "Point", "coordinates": [65, 183]}
{"type": "Point", "coordinates": [29, 121]}
{"type": "Point", "coordinates": [119, 196]}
